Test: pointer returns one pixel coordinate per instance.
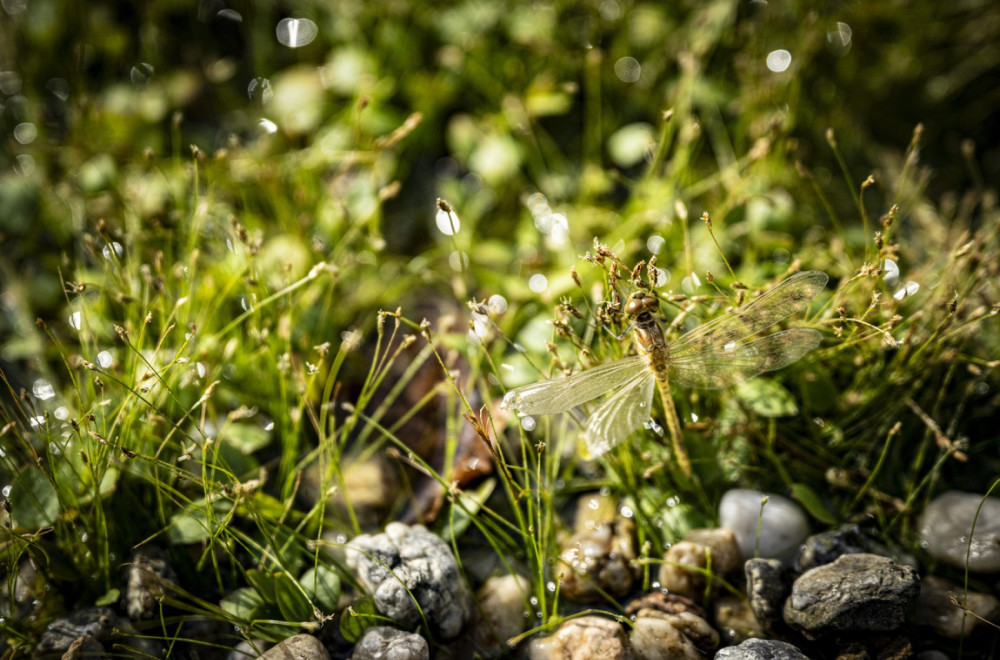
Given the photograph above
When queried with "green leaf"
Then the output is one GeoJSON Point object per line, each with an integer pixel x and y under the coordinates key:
{"type": "Point", "coordinates": [322, 586]}
{"type": "Point", "coordinates": [33, 500]}
{"type": "Point", "coordinates": [109, 598]}
{"type": "Point", "coordinates": [245, 436]}
{"type": "Point", "coordinates": [292, 600]}
{"type": "Point", "coordinates": [767, 398]}
{"type": "Point", "coordinates": [243, 603]}
{"type": "Point", "coordinates": [263, 583]}
{"type": "Point", "coordinates": [359, 617]}
{"type": "Point", "coordinates": [812, 503]}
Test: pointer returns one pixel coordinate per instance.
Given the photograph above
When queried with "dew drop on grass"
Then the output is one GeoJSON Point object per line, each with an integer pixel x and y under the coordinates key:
{"type": "Point", "coordinates": [538, 283]}
{"type": "Point", "coordinates": [25, 132]}
{"type": "Point", "coordinates": [628, 69]}
{"type": "Point", "coordinates": [839, 38]}
{"type": "Point", "coordinates": [447, 222]}
{"type": "Point", "coordinates": [296, 32]}
{"type": "Point", "coordinates": [105, 359]}
{"type": "Point", "coordinates": [661, 277]}
{"type": "Point", "coordinates": [458, 261]}
{"type": "Point", "coordinates": [200, 368]}
{"type": "Point", "coordinates": [113, 249]}
{"type": "Point", "coordinates": [655, 243]}
{"type": "Point", "coordinates": [42, 389]}
{"type": "Point", "coordinates": [528, 423]}
{"type": "Point", "coordinates": [141, 73]}
{"type": "Point", "coordinates": [59, 87]}
{"type": "Point", "coordinates": [497, 304]}
{"type": "Point", "coordinates": [36, 421]}
{"type": "Point", "coordinates": [74, 320]}
{"type": "Point", "coordinates": [690, 283]}
{"type": "Point", "coordinates": [779, 60]}
{"type": "Point", "coordinates": [61, 413]}
{"type": "Point", "coordinates": [230, 15]}
{"type": "Point", "coordinates": [267, 125]}
{"type": "Point", "coordinates": [24, 164]}
{"type": "Point", "coordinates": [260, 88]}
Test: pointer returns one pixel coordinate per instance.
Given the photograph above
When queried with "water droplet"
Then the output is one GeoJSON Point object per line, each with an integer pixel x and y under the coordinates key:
{"type": "Point", "coordinates": [839, 38]}
{"type": "Point", "coordinates": [528, 423]}
{"type": "Point", "coordinates": [628, 69]}
{"type": "Point", "coordinates": [10, 82]}
{"type": "Point", "coordinates": [200, 368]}
{"type": "Point", "coordinates": [779, 60]}
{"type": "Point", "coordinates": [891, 273]}
{"type": "Point", "coordinates": [627, 511]}
{"type": "Point", "coordinates": [538, 283]}
{"type": "Point", "coordinates": [458, 261]}
{"type": "Point", "coordinates": [694, 416]}
{"type": "Point", "coordinates": [42, 389]}
{"type": "Point", "coordinates": [655, 243]}
{"type": "Point", "coordinates": [36, 421]}
{"type": "Point", "coordinates": [660, 277]}
{"type": "Point", "coordinates": [267, 125]}
{"type": "Point", "coordinates": [261, 87]}
{"type": "Point", "coordinates": [24, 164]}
{"type": "Point", "coordinates": [908, 290]}
{"type": "Point", "coordinates": [497, 304]}
{"type": "Point", "coordinates": [550, 586]}
{"type": "Point", "coordinates": [296, 32]}
{"type": "Point", "coordinates": [6, 491]}
{"type": "Point", "coordinates": [59, 87]}
{"type": "Point", "coordinates": [74, 320]}
{"type": "Point", "coordinates": [114, 248]}
{"type": "Point", "coordinates": [25, 132]}
{"type": "Point", "coordinates": [141, 73]}
{"type": "Point", "coordinates": [610, 10]}
{"type": "Point", "coordinates": [230, 15]}
{"type": "Point", "coordinates": [61, 413]}
{"type": "Point", "coordinates": [447, 222]}
{"type": "Point", "coordinates": [729, 346]}
{"type": "Point", "coordinates": [105, 359]}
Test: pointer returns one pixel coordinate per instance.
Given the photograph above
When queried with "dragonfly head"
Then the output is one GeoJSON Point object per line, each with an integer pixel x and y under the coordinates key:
{"type": "Point", "coordinates": [641, 301]}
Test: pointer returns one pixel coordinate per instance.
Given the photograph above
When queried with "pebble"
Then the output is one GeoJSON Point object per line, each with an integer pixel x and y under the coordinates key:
{"type": "Point", "coordinates": [768, 585]}
{"type": "Point", "coordinates": [825, 547]}
{"type": "Point", "coordinates": [386, 643]}
{"type": "Point", "coordinates": [783, 523]}
{"type": "Point", "coordinates": [735, 620]}
{"type": "Point", "coordinates": [945, 526]}
{"type": "Point", "coordinates": [297, 647]}
{"type": "Point", "coordinates": [935, 608]}
{"type": "Point", "coordinates": [81, 629]}
{"type": "Point", "coordinates": [855, 593]}
{"type": "Point", "coordinates": [147, 573]}
{"type": "Point", "coordinates": [700, 549]}
{"type": "Point", "coordinates": [421, 564]}
{"type": "Point", "coordinates": [584, 638]}
{"type": "Point", "coordinates": [656, 636]}
{"type": "Point", "coordinates": [600, 554]}
{"type": "Point", "coordinates": [501, 614]}
{"type": "Point", "coordinates": [761, 649]}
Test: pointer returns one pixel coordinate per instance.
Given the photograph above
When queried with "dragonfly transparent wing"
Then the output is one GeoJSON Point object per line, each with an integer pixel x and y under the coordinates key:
{"type": "Point", "coordinates": [708, 341]}
{"type": "Point", "coordinates": [729, 366]}
{"type": "Point", "coordinates": [560, 394]}
{"type": "Point", "coordinates": [624, 411]}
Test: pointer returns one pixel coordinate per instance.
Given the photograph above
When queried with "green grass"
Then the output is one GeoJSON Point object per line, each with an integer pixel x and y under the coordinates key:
{"type": "Point", "coordinates": [234, 323]}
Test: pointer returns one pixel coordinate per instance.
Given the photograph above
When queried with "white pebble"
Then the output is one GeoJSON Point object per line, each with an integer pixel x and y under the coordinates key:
{"type": "Point", "coordinates": [783, 524]}
{"type": "Point", "coordinates": [947, 522]}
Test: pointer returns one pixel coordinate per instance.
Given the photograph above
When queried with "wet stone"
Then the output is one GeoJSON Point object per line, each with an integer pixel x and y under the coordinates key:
{"type": "Point", "coordinates": [761, 649]}
{"type": "Point", "coordinates": [783, 523]}
{"type": "Point", "coordinates": [386, 643]}
{"type": "Point", "coordinates": [501, 615]}
{"type": "Point", "coordinates": [735, 620]}
{"type": "Point", "coordinates": [855, 593]}
{"type": "Point", "coordinates": [147, 572]}
{"type": "Point", "coordinates": [938, 607]}
{"type": "Point", "coordinates": [664, 601]}
{"type": "Point", "coordinates": [99, 624]}
{"type": "Point", "coordinates": [407, 560]}
{"type": "Point", "coordinates": [584, 638]}
{"type": "Point", "coordinates": [600, 554]}
{"type": "Point", "coordinates": [768, 585]}
{"type": "Point", "coordinates": [947, 522]}
{"type": "Point", "coordinates": [701, 549]}
{"type": "Point", "coordinates": [297, 647]}
{"type": "Point", "coordinates": [824, 548]}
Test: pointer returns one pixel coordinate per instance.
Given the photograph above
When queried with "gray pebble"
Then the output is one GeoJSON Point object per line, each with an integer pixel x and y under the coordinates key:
{"type": "Point", "coordinates": [823, 548]}
{"type": "Point", "coordinates": [148, 571]}
{"type": "Point", "coordinates": [768, 585]}
{"type": "Point", "coordinates": [783, 523]}
{"type": "Point", "coordinates": [761, 649]}
{"type": "Point", "coordinates": [855, 593]}
{"type": "Point", "coordinates": [938, 607]}
{"type": "Point", "coordinates": [945, 526]}
{"type": "Point", "coordinates": [297, 647]}
{"type": "Point", "coordinates": [385, 643]}
{"type": "Point", "coordinates": [408, 562]}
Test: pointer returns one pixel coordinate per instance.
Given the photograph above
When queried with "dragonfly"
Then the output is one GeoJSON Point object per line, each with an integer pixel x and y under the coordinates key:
{"type": "Point", "coordinates": [717, 354]}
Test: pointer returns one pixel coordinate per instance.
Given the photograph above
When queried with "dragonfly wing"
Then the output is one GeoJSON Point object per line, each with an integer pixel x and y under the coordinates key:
{"type": "Point", "coordinates": [788, 297]}
{"type": "Point", "coordinates": [725, 367]}
{"type": "Point", "coordinates": [623, 412]}
{"type": "Point", "coordinates": [560, 394]}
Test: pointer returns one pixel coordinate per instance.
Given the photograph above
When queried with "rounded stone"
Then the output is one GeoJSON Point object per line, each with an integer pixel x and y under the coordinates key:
{"type": "Point", "coordinates": [761, 649]}
{"type": "Point", "coordinates": [714, 549]}
{"type": "Point", "coordinates": [946, 524]}
{"type": "Point", "coordinates": [299, 647]}
{"type": "Point", "coordinates": [783, 524]}
{"type": "Point", "coordinates": [387, 643]}
{"type": "Point", "coordinates": [584, 638]}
